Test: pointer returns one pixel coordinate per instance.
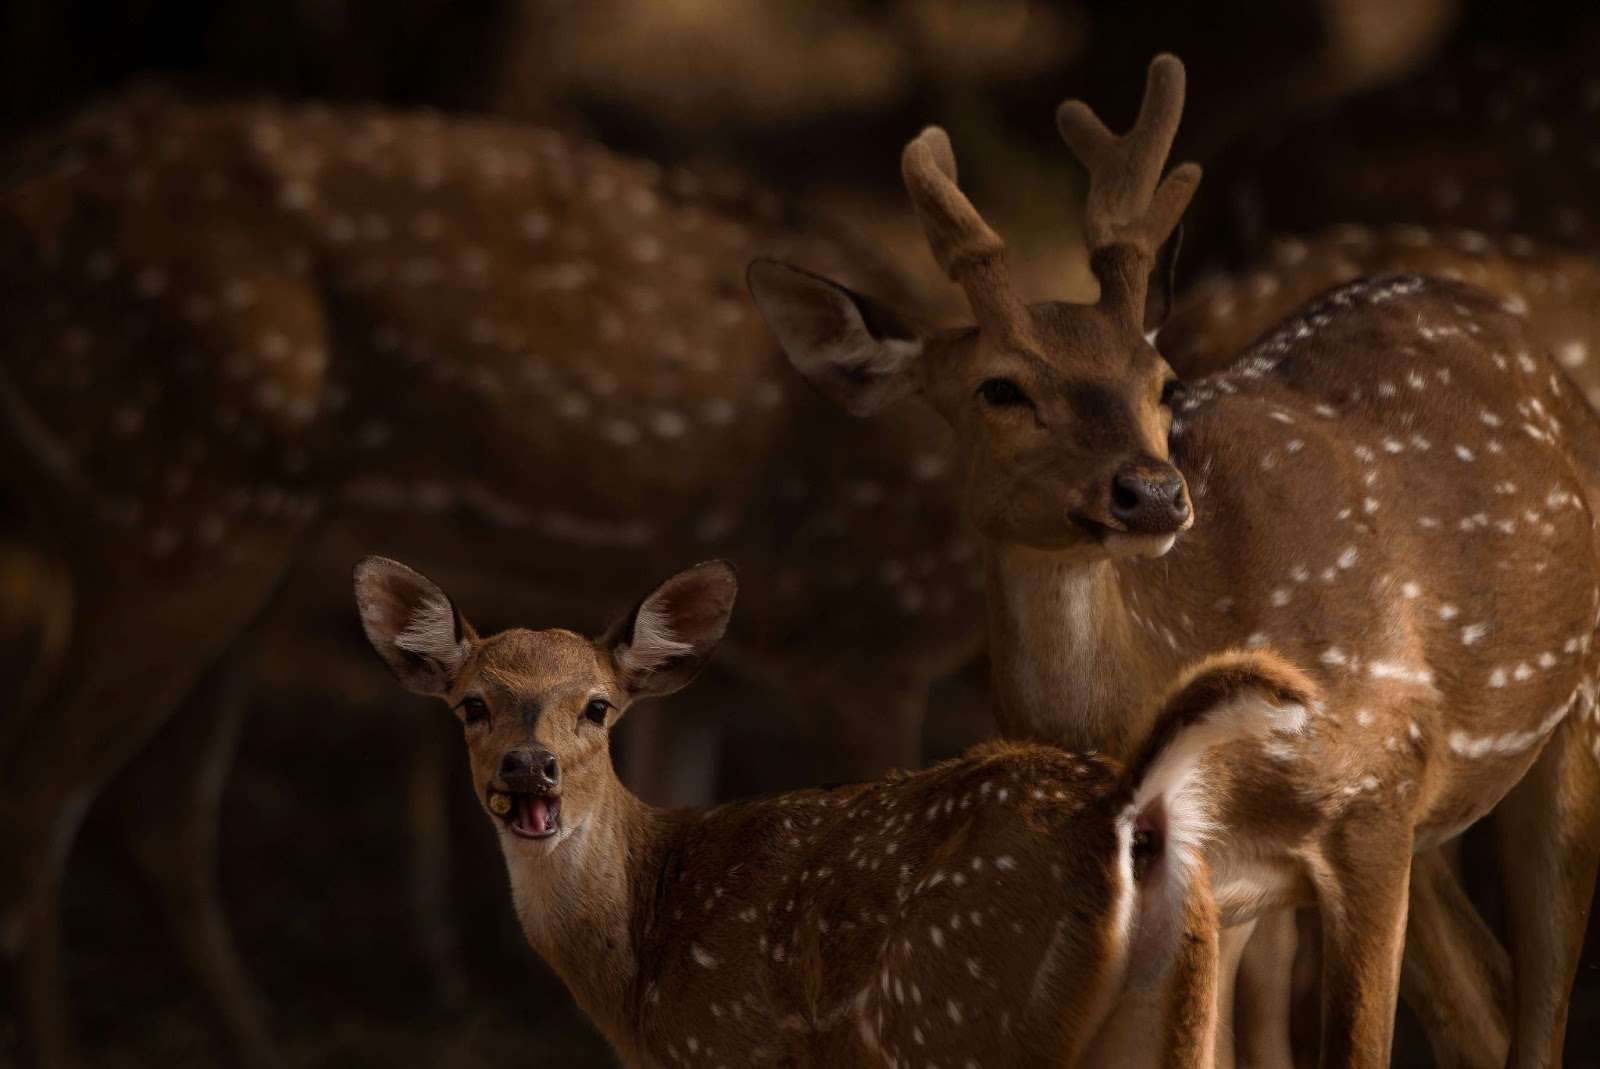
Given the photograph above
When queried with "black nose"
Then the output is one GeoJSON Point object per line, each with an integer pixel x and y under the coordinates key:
{"type": "Point", "coordinates": [1147, 498]}
{"type": "Point", "coordinates": [530, 769]}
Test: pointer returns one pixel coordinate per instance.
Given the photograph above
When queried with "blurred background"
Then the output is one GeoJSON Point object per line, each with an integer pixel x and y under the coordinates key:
{"type": "Point", "coordinates": [364, 891]}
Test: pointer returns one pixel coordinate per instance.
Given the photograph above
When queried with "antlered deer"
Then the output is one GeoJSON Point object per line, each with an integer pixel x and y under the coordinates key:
{"type": "Point", "coordinates": [1319, 473]}
{"type": "Point", "coordinates": [227, 328]}
{"type": "Point", "coordinates": [1020, 905]}
{"type": "Point", "coordinates": [1474, 171]}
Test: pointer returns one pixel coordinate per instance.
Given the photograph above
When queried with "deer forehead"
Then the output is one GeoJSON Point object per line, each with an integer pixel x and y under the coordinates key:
{"type": "Point", "coordinates": [1073, 339]}
{"type": "Point", "coordinates": [523, 663]}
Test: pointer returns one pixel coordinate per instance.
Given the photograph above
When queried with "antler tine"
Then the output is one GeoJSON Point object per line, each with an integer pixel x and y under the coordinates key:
{"type": "Point", "coordinates": [966, 247]}
{"type": "Point", "coordinates": [1129, 203]}
{"type": "Point", "coordinates": [1124, 171]}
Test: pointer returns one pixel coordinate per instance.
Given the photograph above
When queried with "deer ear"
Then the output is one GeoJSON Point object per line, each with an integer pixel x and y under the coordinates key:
{"type": "Point", "coordinates": [1230, 696]}
{"type": "Point", "coordinates": [412, 625]}
{"type": "Point", "coordinates": [665, 641]}
{"type": "Point", "coordinates": [1158, 295]}
{"type": "Point", "coordinates": [1162, 1014]}
{"type": "Point", "coordinates": [858, 352]}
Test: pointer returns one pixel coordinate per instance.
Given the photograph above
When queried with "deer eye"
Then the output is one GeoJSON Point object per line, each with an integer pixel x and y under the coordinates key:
{"type": "Point", "coordinates": [596, 710]}
{"type": "Point", "coordinates": [474, 710]}
{"type": "Point", "coordinates": [1171, 390]}
{"type": "Point", "coordinates": [1002, 393]}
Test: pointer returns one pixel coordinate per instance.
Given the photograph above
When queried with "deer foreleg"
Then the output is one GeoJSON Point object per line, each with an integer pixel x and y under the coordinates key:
{"type": "Point", "coordinates": [1362, 886]}
{"type": "Point", "coordinates": [1549, 832]}
{"type": "Point", "coordinates": [1456, 977]}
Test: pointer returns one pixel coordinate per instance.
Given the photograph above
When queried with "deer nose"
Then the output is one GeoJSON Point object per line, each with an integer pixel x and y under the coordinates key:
{"type": "Point", "coordinates": [1148, 498]}
{"type": "Point", "coordinates": [530, 769]}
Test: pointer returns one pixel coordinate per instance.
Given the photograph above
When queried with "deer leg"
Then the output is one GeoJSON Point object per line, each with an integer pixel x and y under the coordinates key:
{"type": "Point", "coordinates": [168, 801]}
{"type": "Point", "coordinates": [1549, 832]}
{"type": "Point", "coordinates": [30, 924]}
{"type": "Point", "coordinates": [1456, 977]}
{"type": "Point", "coordinates": [1362, 888]}
{"type": "Point", "coordinates": [1230, 948]}
{"type": "Point", "coordinates": [865, 725]}
{"type": "Point", "coordinates": [433, 751]}
{"type": "Point", "coordinates": [671, 753]}
{"type": "Point", "coordinates": [1265, 985]}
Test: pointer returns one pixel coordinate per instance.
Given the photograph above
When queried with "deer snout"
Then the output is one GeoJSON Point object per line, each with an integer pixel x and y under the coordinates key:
{"type": "Point", "coordinates": [1147, 497]}
{"type": "Point", "coordinates": [530, 768]}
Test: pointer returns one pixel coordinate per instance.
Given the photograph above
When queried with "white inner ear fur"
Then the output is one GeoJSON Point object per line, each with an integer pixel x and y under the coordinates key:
{"type": "Point", "coordinates": [1173, 798]}
{"type": "Point", "coordinates": [430, 631]}
{"type": "Point", "coordinates": [654, 642]}
{"type": "Point", "coordinates": [853, 348]}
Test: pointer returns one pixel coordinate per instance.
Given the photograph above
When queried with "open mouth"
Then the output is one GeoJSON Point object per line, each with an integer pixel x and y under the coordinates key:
{"type": "Point", "coordinates": [528, 814]}
{"type": "Point", "coordinates": [1103, 532]}
{"type": "Point", "coordinates": [1096, 529]}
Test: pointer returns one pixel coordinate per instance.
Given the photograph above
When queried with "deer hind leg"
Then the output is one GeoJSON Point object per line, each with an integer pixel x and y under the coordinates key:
{"type": "Point", "coordinates": [865, 723]}
{"type": "Point", "coordinates": [1548, 829]}
{"type": "Point", "coordinates": [1230, 948]}
{"type": "Point", "coordinates": [168, 802]}
{"type": "Point", "coordinates": [31, 868]}
{"type": "Point", "coordinates": [1265, 986]}
{"type": "Point", "coordinates": [1362, 879]}
{"type": "Point", "coordinates": [1456, 977]}
{"type": "Point", "coordinates": [671, 751]}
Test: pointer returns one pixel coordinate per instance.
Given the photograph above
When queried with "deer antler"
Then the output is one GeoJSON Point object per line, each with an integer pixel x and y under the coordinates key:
{"type": "Point", "coordinates": [1126, 206]}
{"type": "Point", "coordinates": [966, 247]}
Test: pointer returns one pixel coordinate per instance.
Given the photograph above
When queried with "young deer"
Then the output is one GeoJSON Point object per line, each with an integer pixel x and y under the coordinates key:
{"type": "Point", "coordinates": [1020, 905]}
{"type": "Point", "coordinates": [227, 328]}
{"type": "Point", "coordinates": [1296, 500]}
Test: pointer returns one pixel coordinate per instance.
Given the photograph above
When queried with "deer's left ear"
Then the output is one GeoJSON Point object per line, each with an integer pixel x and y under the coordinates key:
{"type": "Point", "coordinates": [665, 641]}
{"type": "Point", "coordinates": [860, 353]}
{"type": "Point", "coordinates": [1158, 296]}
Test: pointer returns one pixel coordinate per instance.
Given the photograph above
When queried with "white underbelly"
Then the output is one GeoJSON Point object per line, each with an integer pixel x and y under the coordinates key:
{"type": "Point", "coordinates": [1247, 888]}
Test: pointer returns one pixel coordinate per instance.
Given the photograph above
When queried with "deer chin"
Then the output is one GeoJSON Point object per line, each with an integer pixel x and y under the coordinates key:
{"type": "Point", "coordinates": [1118, 544]}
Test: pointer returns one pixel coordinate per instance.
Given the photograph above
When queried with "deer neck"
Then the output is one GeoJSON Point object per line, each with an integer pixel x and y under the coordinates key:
{"type": "Point", "coordinates": [585, 907]}
{"type": "Point", "coordinates": [1070, 665]}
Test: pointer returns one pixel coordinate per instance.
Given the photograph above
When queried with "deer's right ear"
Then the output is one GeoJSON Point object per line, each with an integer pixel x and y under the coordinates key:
{"type": "Point", "coordinates": [858, 352]}
{"type": "Point", "coordinates": [665, 641]}
{"type": "Point", "coordinates": [412, 625]}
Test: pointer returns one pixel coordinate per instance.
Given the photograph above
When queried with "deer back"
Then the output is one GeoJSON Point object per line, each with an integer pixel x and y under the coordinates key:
{"type": "Point", "coordinates": [939, 914]}
{"type": "Point", "coordinates": [1332, 465]}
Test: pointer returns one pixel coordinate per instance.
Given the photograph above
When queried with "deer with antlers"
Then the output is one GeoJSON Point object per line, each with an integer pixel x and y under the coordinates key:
{"type": "Point", "coordinates": [230, 331]}
{"type": "Point", "coordinates": [1295, 499]}
{"type": "Point", "coordinates": [1020, 905]}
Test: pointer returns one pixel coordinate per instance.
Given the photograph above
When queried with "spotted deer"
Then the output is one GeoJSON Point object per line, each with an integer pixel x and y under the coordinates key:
{"type": "Point", "coordinates": [1295, 499]}
{"type": "Point", "coordinates": [234, 334]}
{"type": "Point", "coordinates": [1019, 905]}
{"type": "Point", "coordinates": [1430, 177]}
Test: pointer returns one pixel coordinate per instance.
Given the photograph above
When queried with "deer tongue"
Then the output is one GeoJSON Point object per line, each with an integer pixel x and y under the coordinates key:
{"type": "Point", "coordinates": [533, 814]}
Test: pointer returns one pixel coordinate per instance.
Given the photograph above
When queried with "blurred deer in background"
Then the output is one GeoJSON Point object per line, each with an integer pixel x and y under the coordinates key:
{"type": "Point", "coordinates": [1318, 473]}
{"type": "Point", "coordinates": [1481, 170]}
{"type": "Point", "coordinates": [231, 331]}
{"type": "Point", "coordinates": [1018, 906]}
